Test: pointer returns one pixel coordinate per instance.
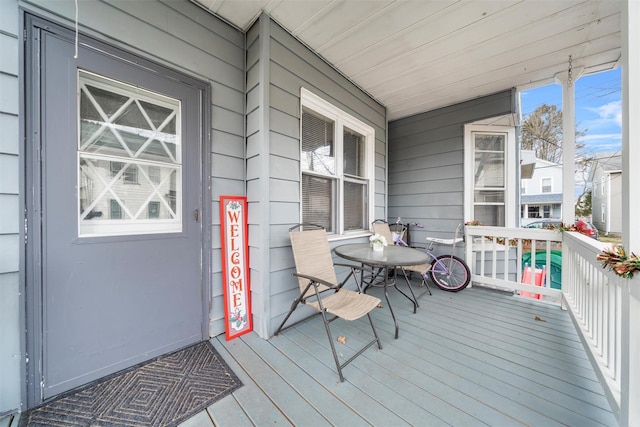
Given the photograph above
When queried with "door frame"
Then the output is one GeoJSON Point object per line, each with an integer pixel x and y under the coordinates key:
{"type": "Point", "coordinates": [30, 202]}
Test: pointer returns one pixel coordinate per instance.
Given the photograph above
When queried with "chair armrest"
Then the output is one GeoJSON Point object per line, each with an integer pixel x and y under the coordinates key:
{"type": "Point", "coordinates": [317, 280]}
{"type": "Point", "coordinates": [356, 267]}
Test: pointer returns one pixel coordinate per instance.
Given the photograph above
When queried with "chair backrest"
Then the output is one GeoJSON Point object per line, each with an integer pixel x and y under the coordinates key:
{"type": "Point", "coordinates": [312, 256]}
{"type": "Point", "coordinates": [382, 228]}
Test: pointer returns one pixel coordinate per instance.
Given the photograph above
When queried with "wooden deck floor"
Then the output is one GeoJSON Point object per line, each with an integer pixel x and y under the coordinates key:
{"type": "Point", "coordinates": [472, 358]}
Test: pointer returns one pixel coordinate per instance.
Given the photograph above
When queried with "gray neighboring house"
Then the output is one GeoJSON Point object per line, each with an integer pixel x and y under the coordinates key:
{"type": "Point", "coordinates": [605, 177]}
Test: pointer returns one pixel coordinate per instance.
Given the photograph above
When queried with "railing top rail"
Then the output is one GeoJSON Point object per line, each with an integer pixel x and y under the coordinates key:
{"type": "Point", "coordinates": [513, 233]}
{"type": "Point", "coordinates": [585, 243]}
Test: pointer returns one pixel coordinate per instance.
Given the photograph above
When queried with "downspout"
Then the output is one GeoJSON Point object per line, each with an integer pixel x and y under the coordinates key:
{"type": "Point", "coordinates": [386, 171]}
{"type": "Point", "coordinates": [608, 204]}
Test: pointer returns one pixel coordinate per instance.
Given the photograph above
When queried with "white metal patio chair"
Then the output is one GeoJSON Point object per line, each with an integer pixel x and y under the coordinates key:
{"type": "Point", "coordinates": [320, 289]}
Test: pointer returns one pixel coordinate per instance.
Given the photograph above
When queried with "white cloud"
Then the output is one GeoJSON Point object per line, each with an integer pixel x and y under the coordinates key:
{"type": "Point", "coordinates": [608, 114]}
{"type": "Point", "coordinates": [596, 143]}
{"type": "Point", "coordinates": [600, 136]}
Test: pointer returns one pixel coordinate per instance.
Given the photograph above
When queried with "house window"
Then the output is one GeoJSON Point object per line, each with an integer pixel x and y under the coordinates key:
{"type": "Point", "coordinates": [602, 185]}
{"type": "Point", "coordinates": [603, 217]}
{"type": "Point", "coordinates": [129, 175]}
{"type": "Point", "coordinates": [546, 185]}
{"type": "Point", "coordinates": [154, 174]}
{"type": "Point", "coordinates": [337, 167]}
{"type": "Point", "coordinates": [546, 211]}
{"type": "Point", "coordinates": [523, 187]}
{"type": "Point", "coordinates": [533, 212]}
{"type": "Point", "coordinates": [489, 166]}
{"type": "Point", "coordinates": [115, 210]}
{"type": "Point", "coordinates": [153, 210]}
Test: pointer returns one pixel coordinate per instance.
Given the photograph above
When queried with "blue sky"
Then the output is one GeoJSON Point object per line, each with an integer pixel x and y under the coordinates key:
{"type": "Point", "coordinates": [598, 108]}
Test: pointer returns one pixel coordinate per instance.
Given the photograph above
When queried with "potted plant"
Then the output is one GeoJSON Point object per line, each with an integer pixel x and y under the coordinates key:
{"type": "Point", "coordinates": [378, 242]}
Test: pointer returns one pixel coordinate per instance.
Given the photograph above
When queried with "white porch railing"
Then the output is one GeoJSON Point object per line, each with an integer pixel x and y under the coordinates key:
{"type": "Point", "coordinates": [605, 307]}
{"type": "Point", "coordinates": [495, 256]}
{"type": "Point", "coordinates": [594, 297]}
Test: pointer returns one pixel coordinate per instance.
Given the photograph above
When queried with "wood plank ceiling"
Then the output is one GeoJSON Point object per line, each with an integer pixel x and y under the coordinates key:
{"type": "Point", "coordinates": [419, 55]}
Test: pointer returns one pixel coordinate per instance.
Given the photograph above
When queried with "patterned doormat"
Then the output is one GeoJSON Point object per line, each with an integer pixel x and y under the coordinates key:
{"type": "Point", "coordinates": [162, 392]}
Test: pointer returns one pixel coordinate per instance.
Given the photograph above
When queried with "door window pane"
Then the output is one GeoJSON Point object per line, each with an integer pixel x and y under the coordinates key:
{"type": "Point", "coordinates": [490, 215]}
{"type": "Point", "coordinates": [489, 169]}
{"type": "Point", "coordinates": [484, 196]}
{"type": "Point", "coordinates": [129, 159]}
{"type": "Point", "coordinates": [489, 178]}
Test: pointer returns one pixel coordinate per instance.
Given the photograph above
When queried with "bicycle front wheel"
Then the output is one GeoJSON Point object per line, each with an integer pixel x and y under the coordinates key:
{"type": "Point", "coordinates": [450, 273]}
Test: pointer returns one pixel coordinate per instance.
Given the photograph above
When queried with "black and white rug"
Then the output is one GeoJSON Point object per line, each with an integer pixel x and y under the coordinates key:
{"type": "Point", "coordinates": [162, 392]}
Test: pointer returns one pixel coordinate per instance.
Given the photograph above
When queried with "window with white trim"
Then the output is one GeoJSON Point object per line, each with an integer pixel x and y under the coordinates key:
{"type": "Point", "coordinates": [546, 185]}
{"type": "Point", "coordinates": [603, 217]}
{"type": "Point", "coordinates": [337, 164]}
{"type": "Point", "coordinates": [490, 196]}
{"type": "Point", "coordinates": [129, 159]}
{"type": "Point", "coordinates": [602, 185]}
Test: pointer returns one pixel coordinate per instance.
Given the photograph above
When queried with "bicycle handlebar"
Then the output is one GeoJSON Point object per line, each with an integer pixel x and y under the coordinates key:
{"type": "Point", "coordinates": [414, 224]}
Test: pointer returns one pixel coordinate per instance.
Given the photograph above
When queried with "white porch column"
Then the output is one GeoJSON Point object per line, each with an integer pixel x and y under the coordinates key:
{"type": "Point", "coordinates": [567, 80]}
{"type": "Point", "coordinates": [630, 128]}
{"type": "Point", "coordinates": [630, 369]}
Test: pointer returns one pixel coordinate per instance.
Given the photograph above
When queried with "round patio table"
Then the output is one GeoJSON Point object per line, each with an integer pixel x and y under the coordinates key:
{"type": "Point", "coordinates": [390, 257]}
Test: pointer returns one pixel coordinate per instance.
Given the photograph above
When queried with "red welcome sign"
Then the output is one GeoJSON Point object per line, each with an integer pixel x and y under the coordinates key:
{"type": "Point", "coordinates": [235, 265]}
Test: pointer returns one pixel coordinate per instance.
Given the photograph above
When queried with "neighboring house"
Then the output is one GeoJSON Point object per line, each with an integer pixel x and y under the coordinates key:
{"type": "Point", "coordinates": [605, 177]}
{"type": "Point", "coordinates": [541, 195]}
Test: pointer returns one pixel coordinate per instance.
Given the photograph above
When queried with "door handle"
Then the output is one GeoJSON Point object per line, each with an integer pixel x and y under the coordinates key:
{"type": "Point", "coordinates": [196, 215]}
